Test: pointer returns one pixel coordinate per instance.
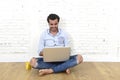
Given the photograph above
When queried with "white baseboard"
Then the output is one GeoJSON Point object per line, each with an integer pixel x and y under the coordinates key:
{"type": "Point", "coordinates": [15, 57]}
{"type": "Point", "coordinates": [87, 58]}
{"type": "Point", "coordinates": [101, 58]}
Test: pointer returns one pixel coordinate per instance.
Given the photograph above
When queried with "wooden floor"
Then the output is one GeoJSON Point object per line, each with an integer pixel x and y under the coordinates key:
{"type": "Point", "coordinates": [84, 71]}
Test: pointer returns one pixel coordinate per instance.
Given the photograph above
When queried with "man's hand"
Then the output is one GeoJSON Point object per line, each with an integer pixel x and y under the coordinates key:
{"type": "Point", "coordinates": [41, 53]}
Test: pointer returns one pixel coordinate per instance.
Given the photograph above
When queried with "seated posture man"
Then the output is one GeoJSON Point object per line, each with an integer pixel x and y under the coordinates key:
{"type": "Point", "coordinates": [52, 37]}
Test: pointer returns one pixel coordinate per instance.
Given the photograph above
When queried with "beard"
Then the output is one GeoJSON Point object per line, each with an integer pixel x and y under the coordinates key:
{"type": "Point", "coordinates": [53, 29]}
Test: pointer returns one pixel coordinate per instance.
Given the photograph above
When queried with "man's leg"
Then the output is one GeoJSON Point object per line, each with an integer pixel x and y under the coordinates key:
{"type": "Point", "coordinates": [38, 63]}
{"type": "Point", "coordinates": [79, 60]}
{"type": "Point", "coordinates": [47, 68]}
{"type": "Point", "coordinates": [44, 67]}
{"type": "Point", "coordinates": [74, 60]}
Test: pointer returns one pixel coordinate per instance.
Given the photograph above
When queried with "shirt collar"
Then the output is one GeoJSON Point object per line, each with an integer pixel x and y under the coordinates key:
{"type": "Point", "coordinates": [59, 31]}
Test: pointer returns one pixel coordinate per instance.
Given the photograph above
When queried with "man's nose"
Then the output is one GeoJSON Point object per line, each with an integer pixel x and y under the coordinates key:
{"type": "Point", "coordinates": [54, 26]}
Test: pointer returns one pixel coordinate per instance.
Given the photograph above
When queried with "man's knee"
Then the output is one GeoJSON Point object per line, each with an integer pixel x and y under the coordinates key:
{"type": "Point", "coordinates": [79, 59]}
{"type": "Point", "coordinates": [33, 62]}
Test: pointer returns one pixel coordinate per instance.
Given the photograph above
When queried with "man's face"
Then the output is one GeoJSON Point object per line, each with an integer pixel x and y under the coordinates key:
{"type": "Point", "coordinates": [53, 24]}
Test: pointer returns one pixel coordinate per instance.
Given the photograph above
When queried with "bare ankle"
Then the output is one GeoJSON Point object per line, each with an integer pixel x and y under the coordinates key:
{"type": "Point", "coordinates": [68, 71]}
{"type": "Point", "coordinates": [50, 70]}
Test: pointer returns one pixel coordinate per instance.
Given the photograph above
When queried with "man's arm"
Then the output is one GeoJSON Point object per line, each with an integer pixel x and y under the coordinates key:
{"type": "Point", "coordinates": [41, 45]}
{"type": "Point", "coordinates": [66, 41]}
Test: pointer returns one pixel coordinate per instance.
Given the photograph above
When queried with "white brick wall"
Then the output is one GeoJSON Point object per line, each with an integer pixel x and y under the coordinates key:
{"type": "Point", "coordinates": [93, 26]}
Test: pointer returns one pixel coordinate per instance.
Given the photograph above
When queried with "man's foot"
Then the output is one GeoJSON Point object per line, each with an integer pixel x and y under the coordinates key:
{"type": "Point", "coordinates": [68, 71]}
{"type": "Point", "coordinates": [45, 71]}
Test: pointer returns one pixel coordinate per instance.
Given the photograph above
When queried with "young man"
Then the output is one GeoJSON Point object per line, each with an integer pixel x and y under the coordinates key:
{"type": "Point", "coordinates": [52, 37]}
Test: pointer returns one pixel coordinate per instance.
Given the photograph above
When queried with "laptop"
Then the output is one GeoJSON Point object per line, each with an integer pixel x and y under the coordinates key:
{"type": "Point", "coordinates": [56, 54]}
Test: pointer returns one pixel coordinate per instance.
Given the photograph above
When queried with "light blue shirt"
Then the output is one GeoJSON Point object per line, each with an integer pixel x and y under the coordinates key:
{"type": "Point", "coordinates": [48, 40]}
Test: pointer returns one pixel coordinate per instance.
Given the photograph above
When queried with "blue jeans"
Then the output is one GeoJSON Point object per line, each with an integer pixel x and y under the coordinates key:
{"type": "Point", "coordinates": [56, 66]}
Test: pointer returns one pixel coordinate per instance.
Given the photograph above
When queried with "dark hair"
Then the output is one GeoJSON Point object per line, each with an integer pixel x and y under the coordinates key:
{"type": "Point", "coordinates": [53, 17]}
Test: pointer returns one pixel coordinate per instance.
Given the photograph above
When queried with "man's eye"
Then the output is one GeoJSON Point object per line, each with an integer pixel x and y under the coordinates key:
{"type": "Point", "coordinates": [51, 24]}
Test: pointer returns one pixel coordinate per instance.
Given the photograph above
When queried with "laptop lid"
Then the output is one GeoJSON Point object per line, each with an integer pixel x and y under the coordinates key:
{"type": "Point", "coordinates": [56, 54]}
